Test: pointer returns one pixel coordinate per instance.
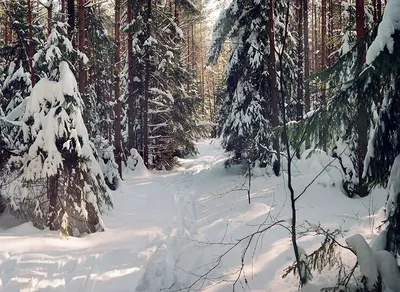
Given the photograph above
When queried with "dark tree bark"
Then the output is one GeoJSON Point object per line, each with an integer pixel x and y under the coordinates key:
{"type": "Point", "coordinates": [71, 17]}
{"type": "Point", "coordinates": [274, 90]}
{"type": "Point", "coordinates": [330, 34]}
{"type": "Point", "coordinates": [176, 14]}
{"type": "Point", "coordinates": [360, 12]}
{"type": "Point", "coordinates": [313, 30]}
{"type": "Point", "coordinates": [146, 90]}
{"type": "Point", "coordinates": [300, 77]}
{"type": "Point", "coordinates": [323, 44]}
{"type": "Point", "coordinates": [306, 63]}
{"type": "Point", "coordinates": [52, 191]}
{"type": "Point", "coordinates": [202, 69]}
{"type": "Point", "coordinates": [315, 37]}
{"type": "Point", "coordinates": [6, 29]}
{"type": "Point", "coordinates": [362, 115]}
{"type": "Point", "coordinates": [379, 8]}
{"type": "Point", "coordinates": [118, 102]}
{"type": "Point", "coordinates": [131, 85]}
{"type": "Point", "coordinates": [30, 56]}
{"type": "Point", "coordinates": [62, 9]}
{"type": "Point", "coordinates": [81, 45]}
{"type": "Point", "coordinates": [49, 17]}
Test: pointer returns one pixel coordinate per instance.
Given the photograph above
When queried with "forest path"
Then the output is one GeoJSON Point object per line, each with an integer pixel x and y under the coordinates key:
{"type": "Point", "coordinates": [188, 184]}
{"type": "Point", "coordinates": [138, 251]}
{"type": "Point", "coordinates": [168, 231]}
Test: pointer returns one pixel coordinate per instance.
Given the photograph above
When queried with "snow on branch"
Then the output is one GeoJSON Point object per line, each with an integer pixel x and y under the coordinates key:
{"type": "Point", "coordinates": [390, 22]}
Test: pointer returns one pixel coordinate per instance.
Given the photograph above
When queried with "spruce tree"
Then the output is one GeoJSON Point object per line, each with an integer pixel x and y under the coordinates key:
{"type": "Point", "coordinates": [61, 185]}
{"type": "Point", "coordinates": [382, 76]}
{"type": "Point", "coordinates": [171, 109]}
{"type": "Point", "coordinates": [16, 84]}
{"type": "Point", "coordinates": [247, 127]}
{"type": "Point", "coordinates": [98, 97]}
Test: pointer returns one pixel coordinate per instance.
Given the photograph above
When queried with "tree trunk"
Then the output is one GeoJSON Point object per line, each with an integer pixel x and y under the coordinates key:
{"type": "Point", "coordinates": [52, 191]}
{"type": "Point", "coordinates": [146, 91]}
{"type": "Point", "coordinates": [313, 27]}
{"type": "Point", "coordinates": [324, 130]}
{"type": "Point", "coordinates": [300, 78]}
{"type": "Point", "coordinates": [81, 45]}
{"type": "Point", "coordinates": [131, 85]}
{"type": "Point", "coordinates": [62, 10]}
{"type": "Point", "coordinates": [306, 63]}
{"type": "Point", "coordinates": [362, 115]}
{"type": "Point", "coordinates": [49, 17]}
{"type": "Point", "coordinates": [6, 24]}
{"type": "Point", "coordinates": [188, 58]}
{"type": "Point", "coordinates": [379, 9]}
{"type": "Point", "coordinates": [202, 69]}
{"type": "Point", "coordinates": [118, 103]}
{"type": "Point", "coordinates": [323, 43]}
{"type": "Point", "coordinates": [176, 14]}
{"type": "Point", "coordinates": [360, 12]}
{"type": "Point", "coordinates": [30, 56]}
{"type": "Point", "coordinates": [71, 17]}
{"type": "Point", "coordinates": [274, 90]}
{"type": "Point", "coordinates": [315, 42]}
{"type": "Point", "coordinates": [330, 34]}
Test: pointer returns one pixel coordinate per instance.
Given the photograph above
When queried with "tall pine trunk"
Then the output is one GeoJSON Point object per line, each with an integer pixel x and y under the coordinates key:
{"type": "Point", "coordinates": [30, 56]}
{"type": "Point", "coordinates": [362, 113]}
{"type": "Point", "coordinates": [379, 8]}
{"type": "Point", "coordinates": [71, 17]}
{"type": "Point", "coordinates": [62, 9]}
{"type": "Point", "coordinates": [49, 16]}
{"type": "Point", "coordinates": [324, 130]}
{"type": "Point", "coordinates": [306, 63]}
{"type": "Point", "coordinates": [131, 87]}
{"type": "Point", "coordinates": [300, 78]}
{"type": "Point", "coordinates": [145, 108]}
{"type": "Point", "coordinates": [118, 103]}
{"type": "Point", "coordinates": [313, 28]}
{"type": "Point", "coordinates": [323, 45]}
{"type": "Point", "coordinates": [274, 90]}
{"type": "Point", "coordinates": [81, 44]}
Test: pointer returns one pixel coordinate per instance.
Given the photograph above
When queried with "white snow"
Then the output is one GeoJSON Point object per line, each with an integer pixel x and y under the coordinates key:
{"type": "Point", "coordinates": [390, 22]}
{"type": "Point", "coordinates": [393, 187]}
{"type": "Point", "coordinates": [366, 259]}
{"type": "Point", "coordinates": [169, 228]}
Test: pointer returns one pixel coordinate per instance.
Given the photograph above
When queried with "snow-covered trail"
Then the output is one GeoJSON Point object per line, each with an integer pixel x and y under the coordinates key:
{"type": "Point", "coordinates": [34, 260]}
{"type": "Point", "coordinates": [168, 230]}
{"type": "Point", "coordinates": [140, 243]}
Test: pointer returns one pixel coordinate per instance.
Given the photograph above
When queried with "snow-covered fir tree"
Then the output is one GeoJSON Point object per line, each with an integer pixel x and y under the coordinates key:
{"type": "Point", "coordinates": [171, 111]}
{"type": "Point", "coordinates": [382, 83]}
{"type": "Point", "coordinates": [99, 91]}
{"type": "Point", "coordinates": [61, 185]}
{"type": "Point", "coordinates": [246, 113]}
{"type": "Point", "coordinates": [16, 83]}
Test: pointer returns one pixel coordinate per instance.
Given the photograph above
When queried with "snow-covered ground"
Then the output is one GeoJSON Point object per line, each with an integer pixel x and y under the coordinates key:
{"type": "Point", "coordinates": [170, 231]}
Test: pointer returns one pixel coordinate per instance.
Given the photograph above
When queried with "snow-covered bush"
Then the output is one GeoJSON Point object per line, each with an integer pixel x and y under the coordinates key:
{"type": "Point", "coordinates": [378, 267]}
{"type": "Point", "coordinates": [105, 157]}
{"type": "Point", "coordinates": [61, 185]}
